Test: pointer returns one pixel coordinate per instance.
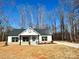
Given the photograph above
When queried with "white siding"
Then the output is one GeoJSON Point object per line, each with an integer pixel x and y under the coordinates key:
{"type": "Point", "coordinates": [49, 39]}
{"type": "Point", "coordinates": [24, 43]}
{"type": "Point", "coordinates": [29, 32]}
{"type": "Point", "coordinates": [34, 42]}
{"type": "Point", "coordinates": [10, 40]}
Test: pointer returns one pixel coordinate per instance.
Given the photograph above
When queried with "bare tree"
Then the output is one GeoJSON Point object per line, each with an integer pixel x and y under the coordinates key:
{"type": "Point", "coordinates": [1, 22]}
{"type": "Point", "coordinates": [52, 18]}
{"type": "Point", "coordinates": [30, 12]}
{"type": "Point", "coordinates": [5, 25]}
{"type": "Point", "coordinates": [1, 30]}
{"type": "Point", "coordinates": [70, 26]}
{"type": "Point", "coordinates": [73, 8]}
{"type": "Point", "coordinates": [54, 21]}
{"type": "Point", "coordinates": [22, 12]}
{"type": "Point", "coordinates": [49, 15]}
{"type": "Point", "coordinates": [41, 15]}
{"type": "Point", "coordinates": [61, 19]}
{"type": "Point", "coordinates": [76, 16]}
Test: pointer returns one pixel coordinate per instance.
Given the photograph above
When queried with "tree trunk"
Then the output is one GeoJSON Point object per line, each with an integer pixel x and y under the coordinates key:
{"type": "Point", "coordinates": [75, 33]}
{"type": "Point", "coordinates": [6, 43]}
{"type": "Point", "coordinates": [71, 39]}
{"type": "Point", "coordinates": [3, 36]}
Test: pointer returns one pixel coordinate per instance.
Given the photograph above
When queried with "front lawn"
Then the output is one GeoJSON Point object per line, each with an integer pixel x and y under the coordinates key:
{"type": "Point", "coordinates": [45, 51]}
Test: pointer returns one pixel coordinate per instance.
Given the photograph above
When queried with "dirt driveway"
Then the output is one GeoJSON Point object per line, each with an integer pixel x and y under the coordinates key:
{"type": "Point", "coordinates": [75, 45]}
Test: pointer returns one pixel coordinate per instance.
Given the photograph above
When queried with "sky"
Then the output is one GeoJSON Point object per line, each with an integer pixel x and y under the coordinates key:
{"type": "Point", "coordinates": [10, 8]}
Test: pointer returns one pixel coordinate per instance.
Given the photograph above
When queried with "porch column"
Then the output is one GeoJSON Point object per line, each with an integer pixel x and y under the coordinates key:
{"type": "Point", "coordinates": [20, 40]}
{"type": "Point", "coordinates": [36, 39]}
{"type": "Point", "coordinates": [30, 40]}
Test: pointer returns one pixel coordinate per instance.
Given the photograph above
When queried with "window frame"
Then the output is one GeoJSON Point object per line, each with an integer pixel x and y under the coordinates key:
{"type": "Point", "coordinates": [33, 38]}
{"type": "Point", "coordinates": [15, 39]}
{"type": "Point", "coordinates": [25, 39]}
{"type": "Point", "coordinates": [44, 38]}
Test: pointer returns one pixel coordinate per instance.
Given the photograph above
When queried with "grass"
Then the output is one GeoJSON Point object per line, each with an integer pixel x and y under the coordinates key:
{"type": "Point", "coordinates": [45, 51]}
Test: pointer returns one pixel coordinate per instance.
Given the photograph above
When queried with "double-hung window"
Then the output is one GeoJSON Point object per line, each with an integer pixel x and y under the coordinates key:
{"type": "Point", "coordinates": [14, 39]}
{"type": "Point", "coordinates": [44, 38]}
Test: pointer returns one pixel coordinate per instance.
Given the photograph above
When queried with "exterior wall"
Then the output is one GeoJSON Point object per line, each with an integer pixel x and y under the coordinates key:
{"type": "Point", "coordinates": [24, 43]}
{"type": "Point", "coordinates": [31, 42]}
{"type": "Point", "coordinates": [10, 40]}
{"type": "Point", "coordinates": [34, 42]}
{"type": "Point", "coordinates": [49, 39]}
{"type": "Point", "coordinates": [29, 32]}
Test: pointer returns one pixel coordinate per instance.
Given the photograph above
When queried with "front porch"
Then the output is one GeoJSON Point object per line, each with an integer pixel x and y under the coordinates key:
{"type": "Point", "coordinates": [28, 39]}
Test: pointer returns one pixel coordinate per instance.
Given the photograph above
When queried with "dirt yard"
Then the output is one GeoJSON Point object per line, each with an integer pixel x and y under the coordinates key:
{"type": "Point", "coordinates": [45, 51]}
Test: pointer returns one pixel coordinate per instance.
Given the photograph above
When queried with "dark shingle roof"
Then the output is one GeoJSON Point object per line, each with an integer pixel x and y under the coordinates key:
{"type": "Point", "coordinates": [42, 31]}
{"type": "Point", "coordinates": [15, 32]}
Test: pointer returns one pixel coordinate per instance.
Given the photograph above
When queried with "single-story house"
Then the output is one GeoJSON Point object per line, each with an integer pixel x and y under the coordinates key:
{"type": "Point", "coordinates": [29, 36]}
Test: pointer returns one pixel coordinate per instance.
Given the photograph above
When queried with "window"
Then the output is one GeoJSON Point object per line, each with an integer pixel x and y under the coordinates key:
{"type": "Point", "coordinates": [33, 38]}
{"type": "Point", "coordinates": [25, 39]}
{"type": "Point", "coordinates": [44, 38]}
{"type": "Point", "coordinates": [14, 39]}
